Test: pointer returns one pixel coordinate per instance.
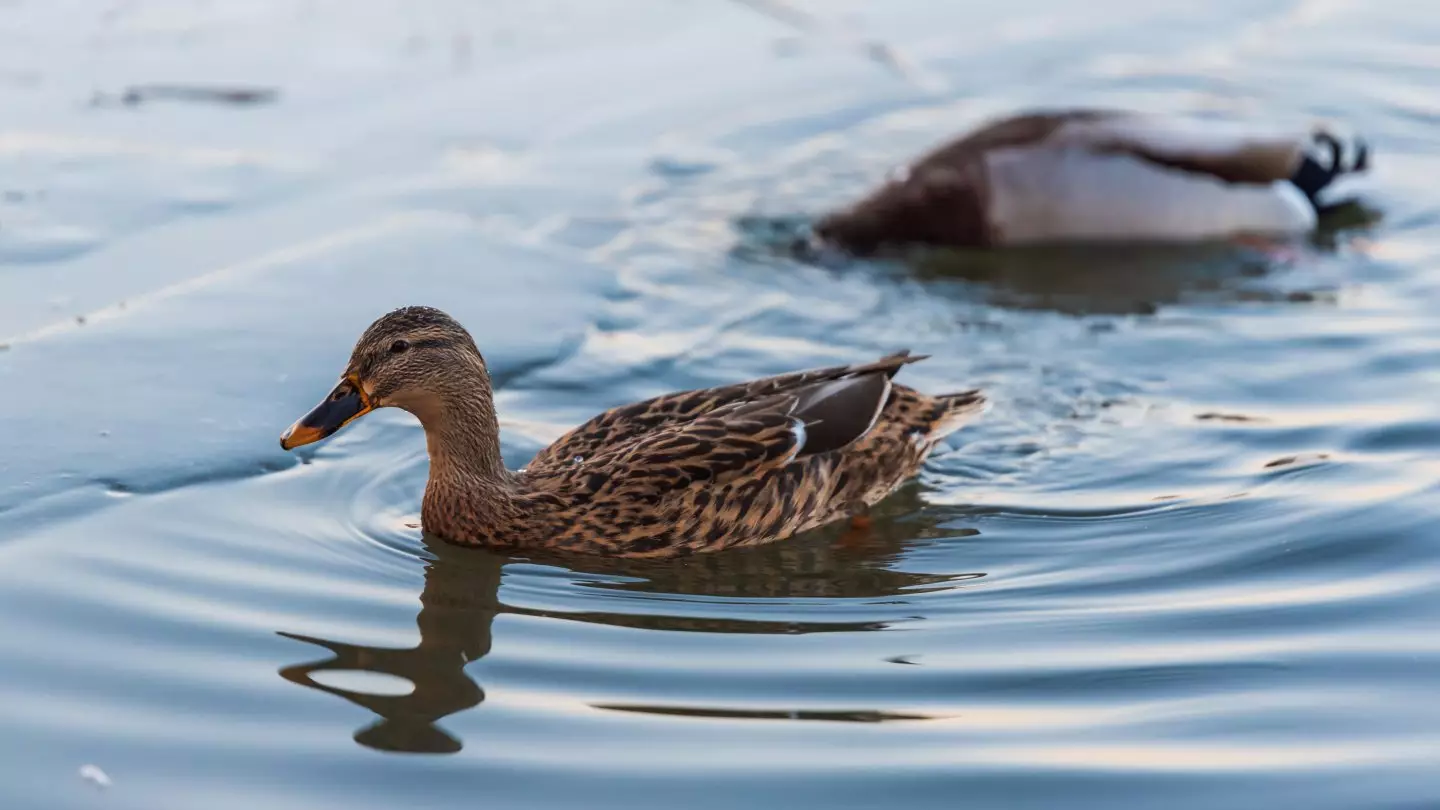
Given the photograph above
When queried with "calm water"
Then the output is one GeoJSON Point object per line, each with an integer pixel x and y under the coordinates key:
{"type": "Point", "coordinates": [1189, 557]}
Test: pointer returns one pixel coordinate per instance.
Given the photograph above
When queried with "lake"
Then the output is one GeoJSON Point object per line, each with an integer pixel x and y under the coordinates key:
{"type": "Point", "coordinates": [1188, 558]}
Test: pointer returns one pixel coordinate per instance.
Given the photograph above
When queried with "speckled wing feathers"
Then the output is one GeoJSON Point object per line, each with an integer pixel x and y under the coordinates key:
{"type": "Point", "coordinates": [623, 424]}
{"type": "Point", "coordinates": [753, 437]}
{"type": "Point", "coordinates": [711, 449]}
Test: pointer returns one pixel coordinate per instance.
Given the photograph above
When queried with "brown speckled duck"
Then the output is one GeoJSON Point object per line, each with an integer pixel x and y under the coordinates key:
{"type": "Point", "coordinates": [1086, 175]}
{"type": "Point", "coordinates": [694, 471]}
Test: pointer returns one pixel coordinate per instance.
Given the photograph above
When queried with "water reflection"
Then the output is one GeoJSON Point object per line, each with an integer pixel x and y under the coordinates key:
{"type": "Point", "coordinates": [1100, 279]}
{"type": "Point", "coordinates": [830, 716]}
{"type": "Point", "coordinates": [1138, 279]}
{"type": "Point", "coordinates": [461, 598]}
{"type": "Point", "coordinates": [457, 608]}
{"type": "Point", "coordinates": [1094, 279]}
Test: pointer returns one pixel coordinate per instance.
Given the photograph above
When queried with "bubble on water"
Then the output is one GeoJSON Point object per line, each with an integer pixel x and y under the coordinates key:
{"type": "Point", "coordinates": [95, 776]}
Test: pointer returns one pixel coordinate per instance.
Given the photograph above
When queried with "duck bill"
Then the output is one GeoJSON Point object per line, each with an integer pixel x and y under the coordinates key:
{"type": "Point", "coordinates": [346, 403]}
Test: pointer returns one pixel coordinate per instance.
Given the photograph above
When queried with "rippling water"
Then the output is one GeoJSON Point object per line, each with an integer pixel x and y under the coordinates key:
{"type": "Point", "coordinates": [1187, 558]}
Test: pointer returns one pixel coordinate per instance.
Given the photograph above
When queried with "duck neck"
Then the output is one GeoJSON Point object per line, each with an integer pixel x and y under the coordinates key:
{"type": "Point", "coordinates": [464, 443]}
{"type": "Point", "coordinates": [468, 496]}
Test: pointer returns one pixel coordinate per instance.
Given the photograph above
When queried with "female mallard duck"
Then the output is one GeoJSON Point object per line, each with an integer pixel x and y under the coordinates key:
{"type": "Point", "coordinates": [1095, 175]}
{"type": "Point", "coordinates": [694, 471]}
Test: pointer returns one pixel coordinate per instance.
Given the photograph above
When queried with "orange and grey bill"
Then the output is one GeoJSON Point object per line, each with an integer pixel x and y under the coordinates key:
{"type": "Point", "coordinates": [346, 403]}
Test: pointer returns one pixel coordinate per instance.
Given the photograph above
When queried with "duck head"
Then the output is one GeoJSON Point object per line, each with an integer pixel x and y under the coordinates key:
{"type": "Point", "coordinates": [415, 358]}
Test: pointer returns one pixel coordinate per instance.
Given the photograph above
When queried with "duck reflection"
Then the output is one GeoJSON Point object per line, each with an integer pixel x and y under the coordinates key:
{"type": "Point", "coordinates": [1098, 279]}
{"type": "Point", "coordinates": [1103, 279]}
{"type": "Point", "coordinates": [461, 598]}
{"type": "Point", "coordinates": [457, 607]}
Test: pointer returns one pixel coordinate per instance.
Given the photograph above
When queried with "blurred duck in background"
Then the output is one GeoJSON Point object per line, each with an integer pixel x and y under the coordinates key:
{"type": "Point", "coordinates": [1101, 176]}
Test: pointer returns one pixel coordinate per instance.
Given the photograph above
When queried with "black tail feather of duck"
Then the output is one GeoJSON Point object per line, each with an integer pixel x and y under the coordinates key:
{"type": "Point", "coordinates": [1315, 174]}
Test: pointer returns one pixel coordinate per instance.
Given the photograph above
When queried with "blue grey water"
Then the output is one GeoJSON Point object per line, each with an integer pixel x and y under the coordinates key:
{"type": "Point", "coordinates": [1189, 558]}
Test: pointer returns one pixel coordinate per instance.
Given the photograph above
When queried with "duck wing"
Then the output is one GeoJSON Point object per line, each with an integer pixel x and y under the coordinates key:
{"type": "Point", "coordinates": [741, 439]}
{"type": "Point", "coordinates": [828, 404]}
{"type": "Point", "coordinates": [1232, 152]}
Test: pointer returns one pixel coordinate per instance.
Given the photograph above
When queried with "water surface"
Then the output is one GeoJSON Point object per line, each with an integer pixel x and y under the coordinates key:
{"type": "Point", "coordinates": [1188, 556]}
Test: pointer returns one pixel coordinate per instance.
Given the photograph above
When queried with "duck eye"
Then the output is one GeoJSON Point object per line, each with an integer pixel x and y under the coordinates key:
{"type": "Point", "coordinates": [399, 346]}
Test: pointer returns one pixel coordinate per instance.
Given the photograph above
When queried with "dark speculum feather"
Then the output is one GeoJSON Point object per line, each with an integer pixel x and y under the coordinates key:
{"type": "Point", "coordinates": [838, 412]}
